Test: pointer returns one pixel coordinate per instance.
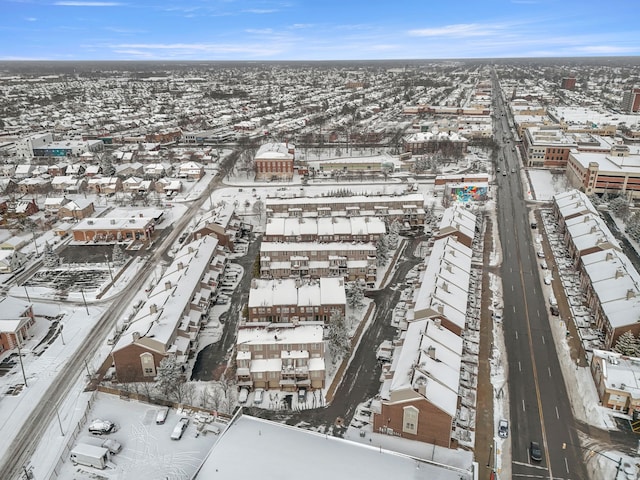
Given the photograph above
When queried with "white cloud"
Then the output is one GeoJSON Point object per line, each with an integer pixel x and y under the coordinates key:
{"type": "Point", "coordinates": [302, 25]}
{"type": "Point", "coordinates": [87, 4]}
{"type": "Point", "coordinates": [198, 49]}
{"type": "Point", "coordinates": [260, 31]}
{"type": "Point", "coordinates": [31, 19]}
{"type": "Point", "coordinates": [460, 30]}
{"type": "Point", "coordinates": [260, 11]}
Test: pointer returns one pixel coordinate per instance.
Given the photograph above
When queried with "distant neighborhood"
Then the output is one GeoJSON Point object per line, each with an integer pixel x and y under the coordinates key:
{"type": "Point", "coordinates": [401, 259]}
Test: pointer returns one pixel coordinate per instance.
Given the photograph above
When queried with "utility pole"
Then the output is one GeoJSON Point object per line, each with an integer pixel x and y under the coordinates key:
{"type": "Point", "coordinates": [84, 300]}
{"type": "Point", "coordinates": [20, 358]}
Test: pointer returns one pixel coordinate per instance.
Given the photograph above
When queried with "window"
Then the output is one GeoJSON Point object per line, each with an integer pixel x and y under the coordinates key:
{"type": "Point", "coordinates": [410, 420]}
{"type": "Point", "coordinates": [148, 365]}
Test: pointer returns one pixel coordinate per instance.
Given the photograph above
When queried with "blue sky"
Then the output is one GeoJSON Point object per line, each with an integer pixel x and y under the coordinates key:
{"type": "Point", "coordinates": [314, 29]}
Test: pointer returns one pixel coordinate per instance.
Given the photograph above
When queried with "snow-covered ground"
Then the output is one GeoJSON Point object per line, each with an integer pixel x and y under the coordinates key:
{"type": "Point", "coordinates": [544, 184]}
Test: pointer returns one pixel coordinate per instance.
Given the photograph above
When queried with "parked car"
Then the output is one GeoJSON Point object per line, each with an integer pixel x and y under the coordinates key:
{"type": "Point", "coordinates": [258, 395]}
{"type": "Point", "coordinates": [302, 395]}
{"type": "Point", "coordinates": [554, 310]}
{"type": "Point", "coordinates": [535, 452]}
{"type": "Point", "coordinates": [243, 396]}
{"type": "Point", "coordinates": [102, 427]}
{"type": "Point", "coordinates": [161, 416]}
{"type": "Point", "coordinates": [543, 264]}
{"type": "Point", "coordinates": [503, 429]}
{"type": "Point", "coordinates": [179, 429]}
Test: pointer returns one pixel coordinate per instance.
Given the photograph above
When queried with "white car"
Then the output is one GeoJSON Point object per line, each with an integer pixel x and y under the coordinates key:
{"type": "Point", "coordinates": [243, 396]}
{"type": "Point", "coordinates": [503, 429]}
{"type": "Point", "coordinates": [179, 429]}
{"type": "Point", "coordinates": [102, 427]}
{"type": "Point", "coordinates": [258, 395]}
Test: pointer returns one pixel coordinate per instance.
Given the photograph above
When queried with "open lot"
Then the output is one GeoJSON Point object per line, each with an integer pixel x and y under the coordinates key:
{"type": "Point", "coordinates": [148, 452]}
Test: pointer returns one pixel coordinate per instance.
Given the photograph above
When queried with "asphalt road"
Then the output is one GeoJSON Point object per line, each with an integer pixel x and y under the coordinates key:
{"type": "Point", "coordinates": [539, 405]}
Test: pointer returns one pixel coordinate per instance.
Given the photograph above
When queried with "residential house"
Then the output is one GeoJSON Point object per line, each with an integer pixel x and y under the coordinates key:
{"type": "Point", "coordinates": [78, 209]}
{"type": "Point", "coordinates": [191, 170]}
{"type": "Point", "coordinates": [16, 321]}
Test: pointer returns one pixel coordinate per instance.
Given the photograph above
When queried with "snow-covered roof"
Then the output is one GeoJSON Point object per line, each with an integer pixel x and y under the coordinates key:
{"type": "Point", "coordinates": [100, 223]}
{"type": "Point", "coordinates": [11, 308]}
{"type": "Point", "coordinates": [275, 151]}
{"type": "Point", "coordinates": [458, 218]}
{"type": "Point", "coordinates": [588, 231]}
{"type": "Point", "coordinates": [445, 282]}
{"type": "Point", "coordinates": [620, 372]}
{"type": "Point", "coordinates": [411, 198]}
{"type": "Point", "coordinates": [300, 334]}
{"type": "Point", "coordinates": [429, 363]}
{"type": "Point", "coordinates": [616, 283]}
{"type": "Point", "coordinates": [324, 226]}
{"type": "Point", "coordinates": [266, 441]}
{"type": "Point", "coordinates": [572, 203]}
{"type": "Point", "coordinates": [288, 291]}
{"type": "Point", "coordinates": [158, 319]}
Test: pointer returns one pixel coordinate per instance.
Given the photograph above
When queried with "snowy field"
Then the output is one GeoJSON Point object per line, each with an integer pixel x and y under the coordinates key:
{"type": "Point", "coordinates": [544, 184]}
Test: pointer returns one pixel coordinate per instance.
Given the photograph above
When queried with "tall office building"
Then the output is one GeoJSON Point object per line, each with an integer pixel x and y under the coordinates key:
{"type": "Point", "coordinates": [568, 83]}
{"type": "Point", "coordinates": [631, 100]}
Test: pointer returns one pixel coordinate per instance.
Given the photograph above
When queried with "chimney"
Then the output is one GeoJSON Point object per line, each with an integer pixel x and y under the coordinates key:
{"type": "Point", "coordinates": [136, 336]}
{"type": "Point", "coordinates": [609, 256]}
{"type": "Point", "coordinates": [431, 351]}
{"type": "Point", "coordinates": [440, 308]}
{"type": "Point", "coordinates": [437, 322]}
{"type": "Point", "coordinates": [631, 294]}
{"type": "Point", "coordinates": [180, 265]}
{"type": "Point", "coordinates": [445, 287]}
{"type": "Point", "coordinates": [619, 272]}
{"type": "Point", "coordinates": [167, 285]}
{"type": "Point", "coordinates": [153, 308]}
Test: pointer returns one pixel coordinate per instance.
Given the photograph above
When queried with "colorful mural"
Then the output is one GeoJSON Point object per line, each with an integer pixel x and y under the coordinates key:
{"type": "Point", "coordinates": [467, 193]}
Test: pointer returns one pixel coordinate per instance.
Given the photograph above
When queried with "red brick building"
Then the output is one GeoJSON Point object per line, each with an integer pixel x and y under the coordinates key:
{"type": "Point", "coordinates": [274, 161]}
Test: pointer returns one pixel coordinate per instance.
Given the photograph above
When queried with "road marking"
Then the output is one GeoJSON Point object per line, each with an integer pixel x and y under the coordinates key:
{"type": "Point", "coordinates": [519, 366]}
{"type": "Point", "coordinates": [538, 311]}
{"type": "Point", "coordinates": [514, 309]}
{"type": "Point", "coordinates": [512, 287]}
{"type": "Point", "coordinates": [549, 369]}
{"type": "Point", "coordinates": [543, 342]}
{"type": "Point", "coordinates": [523, 408]}
{"type": "Point", "coordinates": [534, 290]}
{"type": "Point", "coordinates": [516, 334]}
{"type": "Point", "coordinates": [566, 464]}
{"type": "Point", "coordinates": [557, 414]}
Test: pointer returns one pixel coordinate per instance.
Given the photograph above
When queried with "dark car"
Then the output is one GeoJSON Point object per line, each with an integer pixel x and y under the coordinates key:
{"type": "Point", "coordinates": [554, 310]}
{"type": "Point", "coordinates": [535, 452]}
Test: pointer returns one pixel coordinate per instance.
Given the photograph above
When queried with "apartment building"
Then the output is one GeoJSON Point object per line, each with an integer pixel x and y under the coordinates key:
{"type": "Point", "coordinates": [419, 395]}
{"type": "Point", "coordinates": [631, 100]}
{"type": "Point", "coordinates": [406, 209]}
{"type": "Point", "coordinates": [616, 379]}
{"type": "Point", "coordinates": [610, 281]}
{"type": "Point", "coordinates": [324, 229]}
{"type": "Point", "coordinates": [459, 222]}
{"type": "Point", "coordinates": [347, 261]}
{"type": "Point", "coordinates": [421, 143]}
{"type": "Point", "coordinates": [169, 321]}
{"type": "Point", "coordinates": [295, 300]}
{"type": "Point", "coordinates": [287, 358]}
